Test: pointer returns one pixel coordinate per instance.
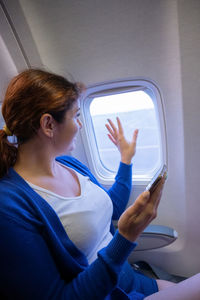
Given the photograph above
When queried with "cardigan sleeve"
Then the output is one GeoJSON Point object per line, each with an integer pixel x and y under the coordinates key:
{"type": "Point", "coordinates": [28, 271]}
{"type": "Point", "coordinates": [121, 189]}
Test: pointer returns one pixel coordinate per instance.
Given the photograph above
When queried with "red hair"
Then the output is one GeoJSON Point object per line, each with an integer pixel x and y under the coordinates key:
{"type": "Point", "coordinates": [29, 95]}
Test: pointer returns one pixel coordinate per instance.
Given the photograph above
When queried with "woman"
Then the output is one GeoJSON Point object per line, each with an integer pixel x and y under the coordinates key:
{"type": "Point", "coordinates": [55, 227]}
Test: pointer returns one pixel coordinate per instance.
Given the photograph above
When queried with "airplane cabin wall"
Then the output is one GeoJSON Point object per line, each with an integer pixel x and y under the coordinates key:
{"type": "Point", "coordinates": [97, 41]}
{"type": "Point", "coordinates": [189, 29]}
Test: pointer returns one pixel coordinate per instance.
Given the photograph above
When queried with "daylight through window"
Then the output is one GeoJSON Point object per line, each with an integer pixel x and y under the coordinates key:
{"type": "Point", "coordinates": [135, 110]}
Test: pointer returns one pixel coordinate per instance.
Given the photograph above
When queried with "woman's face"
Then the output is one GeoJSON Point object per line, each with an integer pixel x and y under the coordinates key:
{"type": "Point", "coordinates": [67, 130]}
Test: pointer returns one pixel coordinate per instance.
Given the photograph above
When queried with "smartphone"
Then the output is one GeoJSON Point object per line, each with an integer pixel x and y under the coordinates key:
{"type": "Point", "coordinates": [156, 179]}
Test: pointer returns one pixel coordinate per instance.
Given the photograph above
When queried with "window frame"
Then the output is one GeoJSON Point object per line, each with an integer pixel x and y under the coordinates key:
{"type": "Point", "coordinates": [103, 175]}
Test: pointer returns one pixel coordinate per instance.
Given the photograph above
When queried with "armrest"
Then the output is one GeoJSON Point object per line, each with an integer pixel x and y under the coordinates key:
{"type": "Point", "coordinates": [156, 236]}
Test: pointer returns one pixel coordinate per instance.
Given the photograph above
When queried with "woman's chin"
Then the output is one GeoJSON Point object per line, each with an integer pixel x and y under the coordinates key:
{"type": "Point", "coordinates": [68, 149]}
{"type": "Point", "coordinates": [71, 147]}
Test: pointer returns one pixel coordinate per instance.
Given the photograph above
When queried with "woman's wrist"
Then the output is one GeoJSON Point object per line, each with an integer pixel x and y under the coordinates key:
{"type": "Point", "coordinates": [126, 161]}
{"type": "Point", "coordinates": [119, 248]}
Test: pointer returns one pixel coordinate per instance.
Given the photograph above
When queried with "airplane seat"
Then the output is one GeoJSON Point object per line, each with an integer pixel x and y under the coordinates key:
{"type": "Point", "coordinates": [154, 237]}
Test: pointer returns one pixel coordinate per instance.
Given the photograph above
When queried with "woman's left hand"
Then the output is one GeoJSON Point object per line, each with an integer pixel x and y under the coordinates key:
{"type": "Point", "coordinates": [116, 135]}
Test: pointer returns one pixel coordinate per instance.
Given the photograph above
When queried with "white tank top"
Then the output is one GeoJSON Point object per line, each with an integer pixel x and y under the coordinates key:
{"type": "Point", "coordinates": [86, 218]}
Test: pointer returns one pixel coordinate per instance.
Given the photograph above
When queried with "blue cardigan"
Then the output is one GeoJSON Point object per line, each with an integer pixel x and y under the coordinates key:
{"type": "Point", "coordinates": [39, 261]}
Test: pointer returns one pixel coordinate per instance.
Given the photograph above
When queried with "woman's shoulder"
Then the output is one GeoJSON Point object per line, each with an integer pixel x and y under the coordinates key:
{"type": "Point", "coordinates": [73, 163]}
{"type": "Point", "coordinates": [16, 197]}
{"type": "Point", "coordinates": [78, 166]}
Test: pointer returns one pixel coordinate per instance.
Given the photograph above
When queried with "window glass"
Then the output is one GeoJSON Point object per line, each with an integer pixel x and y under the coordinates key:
{"type": "Point", "coordinates": [135, 110]}
{"type": "Point", "coordinates": [138, 104]}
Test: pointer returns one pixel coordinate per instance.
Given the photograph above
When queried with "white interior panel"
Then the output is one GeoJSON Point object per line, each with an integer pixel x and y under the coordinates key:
{"type": "Point", "coordinates": [11, 58]}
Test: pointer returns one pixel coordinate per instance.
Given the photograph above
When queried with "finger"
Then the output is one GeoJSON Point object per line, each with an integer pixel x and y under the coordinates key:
{"type": "Point", "coordinates": [150, 210]}
{"type": "Point", "coordinates": [113, 126]}
{"type": "Point", "coordinates": [119, 124]}
{"type": "Point", "coordinates": [110, 130]}
{"type": "Point", "coordinates": [112, 139]}
{"type": "Point", "coordinates": [139, 205]}
{"type": "Point", "coordinates": [160, 194]}
{"type": "Point", "coordinates": [160, 185]}
{"type": "Point", "coordinates": [156, 194]}
{"type": "Point", "coordinates": [135, 135]}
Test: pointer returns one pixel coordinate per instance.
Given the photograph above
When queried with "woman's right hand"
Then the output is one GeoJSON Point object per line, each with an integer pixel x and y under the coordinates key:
{"type": "Point", "coordinates": [138, 216]}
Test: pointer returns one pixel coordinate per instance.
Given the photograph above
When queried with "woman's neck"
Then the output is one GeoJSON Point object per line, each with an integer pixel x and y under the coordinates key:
{"type": "Point", "coordinates": [35, 159]}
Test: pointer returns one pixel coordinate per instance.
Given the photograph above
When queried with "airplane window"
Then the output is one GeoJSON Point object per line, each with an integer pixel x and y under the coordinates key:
{"type": "Point", "coordinates": [137, 107]}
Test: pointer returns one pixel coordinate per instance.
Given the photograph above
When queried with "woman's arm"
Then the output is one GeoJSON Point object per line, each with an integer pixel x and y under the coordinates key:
{"type": "Point", "coordinates": [121, 189]}
{"type": "Point", "coordinates": [28, 270]}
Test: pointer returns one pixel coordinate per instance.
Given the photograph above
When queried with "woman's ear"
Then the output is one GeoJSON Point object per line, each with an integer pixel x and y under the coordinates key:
{"type": "Point", "coordinates": [47, 125]}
